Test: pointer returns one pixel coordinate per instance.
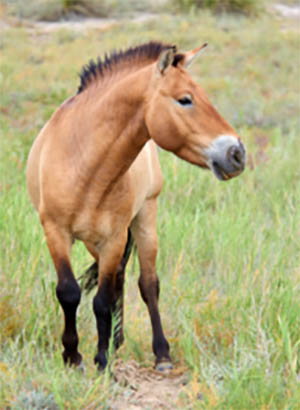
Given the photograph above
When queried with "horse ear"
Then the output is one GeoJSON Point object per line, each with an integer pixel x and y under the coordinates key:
{"type": "Point", "coordinates": [191, 55]}
{"type": "Point", "coordinates": [165, 60]}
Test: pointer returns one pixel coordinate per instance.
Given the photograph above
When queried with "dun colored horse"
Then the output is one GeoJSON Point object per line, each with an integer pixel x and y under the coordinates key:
{"type": "Point", "coordinates": [93, 174]}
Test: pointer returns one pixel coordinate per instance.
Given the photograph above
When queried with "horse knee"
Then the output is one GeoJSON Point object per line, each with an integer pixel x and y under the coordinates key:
{"type": "Point", "coordinates": [68, 293]}
{"type": "Point", "coordinates": [101, 306]}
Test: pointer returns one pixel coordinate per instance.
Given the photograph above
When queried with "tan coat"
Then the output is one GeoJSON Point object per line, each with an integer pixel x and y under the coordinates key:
{"type": "Point", "coordinates": [93, 171]}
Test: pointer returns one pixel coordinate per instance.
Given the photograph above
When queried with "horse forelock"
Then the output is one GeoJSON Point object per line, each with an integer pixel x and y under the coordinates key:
{"type": "Point", "coordinates": [115, 61]}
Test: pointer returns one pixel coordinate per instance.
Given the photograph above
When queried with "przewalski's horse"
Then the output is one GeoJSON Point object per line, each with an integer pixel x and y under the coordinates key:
{"type": "Point", "coordinates": [93, 173]}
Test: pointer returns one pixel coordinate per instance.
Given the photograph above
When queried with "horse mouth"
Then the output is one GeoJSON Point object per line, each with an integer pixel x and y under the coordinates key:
{"type": "Point", "coordinates": [221, 174]}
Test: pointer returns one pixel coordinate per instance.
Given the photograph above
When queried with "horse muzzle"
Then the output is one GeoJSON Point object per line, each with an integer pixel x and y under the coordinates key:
{"type": "Point", "coordinates": [226, 157]}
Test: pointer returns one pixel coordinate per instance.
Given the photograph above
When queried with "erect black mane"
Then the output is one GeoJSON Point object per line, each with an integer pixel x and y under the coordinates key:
{"type": "Point", "coordinates": [148, 51]}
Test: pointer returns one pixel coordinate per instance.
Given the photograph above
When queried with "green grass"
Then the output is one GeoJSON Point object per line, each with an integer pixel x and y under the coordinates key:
{"type": "Point", "coordinates": [229, 252]}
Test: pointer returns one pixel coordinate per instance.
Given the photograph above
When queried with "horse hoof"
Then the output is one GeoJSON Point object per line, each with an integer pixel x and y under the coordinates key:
{"type": "Point", "coordinates": [164, 366]}
{"type": "Point", "coordinates": [81, 367]}
{"type": "Point", "coordinates": [100, 361]}
{"type": "Point", "coordinates": [101, 369]}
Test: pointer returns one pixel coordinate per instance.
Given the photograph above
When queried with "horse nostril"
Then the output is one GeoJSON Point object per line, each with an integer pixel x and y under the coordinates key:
{"type": "Point", "coordinates": [236, 156]}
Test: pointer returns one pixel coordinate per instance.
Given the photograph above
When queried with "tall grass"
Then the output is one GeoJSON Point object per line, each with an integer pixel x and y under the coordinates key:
{"type": "Point", "coordinates": [229, 252]}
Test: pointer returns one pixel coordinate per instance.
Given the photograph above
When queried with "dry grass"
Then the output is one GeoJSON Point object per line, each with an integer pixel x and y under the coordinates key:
{"type": "Point", "coordinates": [229, 253]}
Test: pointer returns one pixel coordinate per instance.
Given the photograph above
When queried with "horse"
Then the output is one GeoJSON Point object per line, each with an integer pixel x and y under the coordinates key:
{"type": "Point", "coordinates": [93, 175]}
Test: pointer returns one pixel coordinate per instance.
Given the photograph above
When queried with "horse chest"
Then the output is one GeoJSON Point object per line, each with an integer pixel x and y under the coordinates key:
{"type": "Point", "coordinates": [99, 224]}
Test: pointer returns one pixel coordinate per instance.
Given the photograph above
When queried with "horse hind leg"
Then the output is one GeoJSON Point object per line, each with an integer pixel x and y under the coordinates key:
{"type": "Point", "coordinates": [67, 290]}
{"type": "Point", "coordinates": [145, 236]}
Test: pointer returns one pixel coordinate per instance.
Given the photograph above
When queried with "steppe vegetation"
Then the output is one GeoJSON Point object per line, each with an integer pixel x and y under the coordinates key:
{"type": "Point", "coordinates": [229, 252]}
{"type": "Point", "coordinates": [53, 9]}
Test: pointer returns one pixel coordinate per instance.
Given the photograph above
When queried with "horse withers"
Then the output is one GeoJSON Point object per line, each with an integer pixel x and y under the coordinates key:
{"type": "Point", "coordinates": [93, 174]}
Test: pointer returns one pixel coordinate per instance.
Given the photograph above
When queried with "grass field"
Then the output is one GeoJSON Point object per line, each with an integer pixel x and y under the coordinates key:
{"type": "Point", "coordinates": [229, 252]}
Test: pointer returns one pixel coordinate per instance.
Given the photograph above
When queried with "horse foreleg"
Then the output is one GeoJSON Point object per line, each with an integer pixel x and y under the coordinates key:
{"type": "Point", "coordinates": [145, 237]}
{"type": "Point", "coordinates": [110, 288]}
{"type": "Point", "coordinates": [118, 309]}
{"type": "Point", "coordinates": [67, 290]}
{"type": "Point", "coordinates": [90, 280]}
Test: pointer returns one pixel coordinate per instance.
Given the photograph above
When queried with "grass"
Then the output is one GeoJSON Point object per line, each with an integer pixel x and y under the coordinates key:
{"type": "Point", "coordinates": [64, 9]}
{"type": "Point", "coordinates": [229, 252]}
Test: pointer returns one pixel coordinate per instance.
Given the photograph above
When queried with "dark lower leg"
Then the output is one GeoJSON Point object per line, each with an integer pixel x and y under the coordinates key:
{"type": "Point", "coordinates": [117, 304]}
{"type": "Point", "coordinates": [89, 281]}
{"type": "Point", "coordinates": [102, 305]}
{"type": "Point", "coordinates": [68, 294]}
{"type": "Point", "coordinates": [150, 292]}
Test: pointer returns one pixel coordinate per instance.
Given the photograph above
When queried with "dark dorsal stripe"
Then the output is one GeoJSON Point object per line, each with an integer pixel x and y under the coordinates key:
{"type": "Point", "coordinates": [145, 52]}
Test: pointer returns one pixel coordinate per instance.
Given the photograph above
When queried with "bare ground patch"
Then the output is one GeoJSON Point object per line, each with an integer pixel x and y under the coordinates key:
{"type": "Point", "coordinates": [143, 388]}
{"type": "Point", "coordinates": [292, 12]}
{"type": "Point", "coordinates": [289, 15]}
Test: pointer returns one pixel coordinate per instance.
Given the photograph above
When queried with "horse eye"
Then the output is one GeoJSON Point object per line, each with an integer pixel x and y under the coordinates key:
{"type": "Point", "coordinates": [186, 100]}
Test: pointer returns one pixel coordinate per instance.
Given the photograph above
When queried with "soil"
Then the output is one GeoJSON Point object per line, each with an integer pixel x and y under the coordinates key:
{"type": "Point", "coordinates": [289, 16]}
{"type": "Point", "coordinates": [288, 11]}
{"type": "Point", "coordinates": [144, 388]}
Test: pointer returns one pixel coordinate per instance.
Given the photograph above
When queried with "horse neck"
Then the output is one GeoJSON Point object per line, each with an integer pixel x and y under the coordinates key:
{"type": "Point", "coordinates": [116, 128]}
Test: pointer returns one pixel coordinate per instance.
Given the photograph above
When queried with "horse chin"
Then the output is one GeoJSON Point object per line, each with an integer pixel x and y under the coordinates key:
{"type": "Point", "coordinates": [221, 174]}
